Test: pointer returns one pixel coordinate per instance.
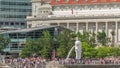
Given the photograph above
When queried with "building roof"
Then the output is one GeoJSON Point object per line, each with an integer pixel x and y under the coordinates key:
{"type": "Point", "coordinates": [28, 29]}
{"type": "Point", "coordinates": [71, 2]}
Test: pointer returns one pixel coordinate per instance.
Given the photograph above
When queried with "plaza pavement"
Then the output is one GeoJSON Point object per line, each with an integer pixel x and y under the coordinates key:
{"type": "Point", "coordinates": [2, 65]}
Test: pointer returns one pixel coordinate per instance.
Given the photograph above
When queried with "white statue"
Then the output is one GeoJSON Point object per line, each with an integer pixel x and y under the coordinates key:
{"type": "Point", "coordinates": [78, 49]}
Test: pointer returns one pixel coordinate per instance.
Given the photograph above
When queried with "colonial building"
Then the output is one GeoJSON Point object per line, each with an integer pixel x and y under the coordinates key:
{"type": "Point", "coordinates": [78, 15]}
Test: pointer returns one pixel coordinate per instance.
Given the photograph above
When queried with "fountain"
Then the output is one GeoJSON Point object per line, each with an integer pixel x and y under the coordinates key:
{"type": "Point", "coordinates": [69, 53]}
{"type": "Point", "coordinates": [78, 50]}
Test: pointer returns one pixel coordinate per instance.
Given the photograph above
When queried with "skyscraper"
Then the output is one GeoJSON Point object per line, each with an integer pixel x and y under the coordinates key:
{"type": "Point", "coordinates": [13, 13]}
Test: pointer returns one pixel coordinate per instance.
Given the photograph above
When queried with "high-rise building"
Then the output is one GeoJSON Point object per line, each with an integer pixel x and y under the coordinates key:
{"type": "Point", "coordinates": [13, 13]}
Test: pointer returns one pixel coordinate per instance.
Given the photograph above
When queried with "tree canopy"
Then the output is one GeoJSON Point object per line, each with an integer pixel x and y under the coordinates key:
{"type": "Point", "coordinates": [3, 42]}
{"type": "Point", "coordinates": [65, 41]}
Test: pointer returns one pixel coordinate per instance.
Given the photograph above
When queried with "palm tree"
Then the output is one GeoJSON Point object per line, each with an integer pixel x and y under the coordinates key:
{"type": "Point", "coordinates": [113, 39]}
{"type": "Point", "coordinates": [102, 38]}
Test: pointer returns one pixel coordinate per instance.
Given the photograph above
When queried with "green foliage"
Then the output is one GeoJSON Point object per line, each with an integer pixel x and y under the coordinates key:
{"type": "Point", "coordinates": [92, 41]}
{"type": "Point", "coordinates": [87, 37]}
{"type": "Point", "coordinates": [3, 42]}
{"type": "Point", "coordinates": [104, 51]}
{"type": "Point", "coordinates": [88, 51]}
{"type": "Point", "coordinates": [83, 37]}
{"type": "Point", "coordinates": [65, 41]}
{"type": "Point", "coordinates": [29, 49]}
{"type": "Point", "coordinates": [102, 38]}
{"type": "Point", "coordinates": [46, 44]}
{"type": "Point", "coordinates": [99, 52]}
{"type": "Point", "coordinates": [115, 51]}
{"type": "Point", "coordinates": [43, 46]}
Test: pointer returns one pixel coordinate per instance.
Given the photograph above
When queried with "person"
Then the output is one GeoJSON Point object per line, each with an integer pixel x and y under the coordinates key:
{"type": "Point", "coordinates": [78, 49]}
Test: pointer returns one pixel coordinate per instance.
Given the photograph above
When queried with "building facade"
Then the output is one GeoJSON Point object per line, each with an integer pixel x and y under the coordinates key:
{"type": "Point", "coordinates": [18, 37]}
{"type": "Point", "coordinates": [79, 15]}
{"type": "Point", "coordinates": [13, 13]}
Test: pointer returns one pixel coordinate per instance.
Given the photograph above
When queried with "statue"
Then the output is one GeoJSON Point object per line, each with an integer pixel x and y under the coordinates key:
{"type": "Point", "coordinates": [78, 49]}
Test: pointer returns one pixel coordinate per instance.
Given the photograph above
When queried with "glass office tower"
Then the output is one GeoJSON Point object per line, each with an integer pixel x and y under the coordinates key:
{"type": "Point", "coordinates": [13, 13]}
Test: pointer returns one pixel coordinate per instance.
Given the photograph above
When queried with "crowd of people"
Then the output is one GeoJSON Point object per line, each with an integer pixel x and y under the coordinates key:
{"type": "Point", "coordinates": [38, 62]}
{"type": "Point", "coordinates": [32, 62]}
{"type": "Point", "coordinates": [92, 61]}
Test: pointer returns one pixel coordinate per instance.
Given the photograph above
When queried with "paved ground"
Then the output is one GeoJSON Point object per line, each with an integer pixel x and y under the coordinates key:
{"type": "Point", "coordinates": [53, 64]}
{"type": "Point", "coordinates": [2, 65]}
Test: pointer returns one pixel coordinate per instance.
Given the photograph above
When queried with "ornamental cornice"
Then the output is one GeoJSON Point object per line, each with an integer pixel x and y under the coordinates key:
{"type": "Point", "coordinates": [73, 18]}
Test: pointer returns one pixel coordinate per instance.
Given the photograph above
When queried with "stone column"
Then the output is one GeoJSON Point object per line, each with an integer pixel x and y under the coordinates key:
{"type": "Point", "coordinates": [77, 27]}
{"type": "Point", "coordinates": [86, 26]}
{"type": "Point", "coordinates": [96, 30]}
{"type": "Point", "coordinates": [116, 32]}
{"type": "Point", "coordinates": [58, 24]}
{"type": "Point", "coordinates": [68, 25]}
{"type": "Point", "coordinates": [106, 28]}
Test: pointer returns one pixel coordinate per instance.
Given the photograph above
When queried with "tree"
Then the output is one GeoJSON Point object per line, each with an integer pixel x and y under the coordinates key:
{"type": "Point", "coordinates": [47, 45]}
{"type": "Point", "coordinates": [42, 46]}
{"type": "Point", "coordinates": [3, 42]}
{"type": "Point", "coordinates": [115, 51]}
{"type": "Point", "coordinates": [113, 38]}
{"type": "Point", "coordinates": [84, 37]}
{"type": "Point", "coordinates": [88, 51]}
{"type": "Point", "coordinates": [29, 48]}
{"type": "Point", "coordinates": [65, 41]}
{"type": "Point", "coordinates": [87, 37]}
{"type": "Point", "coordinates": [92, 41]}
{"type": "Point", "coordinates": [102, 38]}
{"type": "Point", "coordinates": [104, 52]}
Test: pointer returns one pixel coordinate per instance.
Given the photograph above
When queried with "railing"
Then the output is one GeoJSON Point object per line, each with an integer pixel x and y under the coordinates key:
{"type": "Point", "coordinates": [12, 49]}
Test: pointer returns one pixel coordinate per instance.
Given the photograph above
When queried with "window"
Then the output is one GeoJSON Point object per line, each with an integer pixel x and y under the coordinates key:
{"type": "Point", "coordinates": [12, 23]}
{"type": "Point", "coordinates": [22, 23]}
{"type": "Point", "coordinates": [57, 0]}
{"type": "Point", "coordinates": [84, 1]}
{"type": "Point", "coordinates": [66, 0]}
{"type": "Point", "coordinates": [6, 23]}
{"type": "Point", "coordinates": [94, 0]}
{"type": "Point", "coordinates": [75, 0]}
{"type": "Point", "coordinates": [76, 7]}
{"type": "Point", "coordinates": [103, 0]}
{"type": "Point", "coordinates": [1, 23]}
{"type": "Point", "coordinates": [16, 23]}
